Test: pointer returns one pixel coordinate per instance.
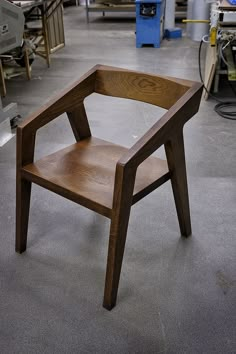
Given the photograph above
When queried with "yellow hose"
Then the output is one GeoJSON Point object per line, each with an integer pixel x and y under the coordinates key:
{"type": "Point", "coordinates": [196, 21]}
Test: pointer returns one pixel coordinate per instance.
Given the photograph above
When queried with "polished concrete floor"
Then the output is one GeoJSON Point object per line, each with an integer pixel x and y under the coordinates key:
{"type": "Point", "coordinates": [176, 295]}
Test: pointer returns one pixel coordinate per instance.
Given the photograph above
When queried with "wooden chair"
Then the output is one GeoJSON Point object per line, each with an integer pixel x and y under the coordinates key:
{"type": "Point", "coordinates": [47, 33]}
{"type": "Point", "coordinates": [102, 176]}
{"type": "Point", "coordinates": [3, 90]}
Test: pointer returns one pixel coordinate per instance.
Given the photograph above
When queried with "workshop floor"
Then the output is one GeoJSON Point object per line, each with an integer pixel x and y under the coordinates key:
{"type": "Point", "coordinates": [176, 295]}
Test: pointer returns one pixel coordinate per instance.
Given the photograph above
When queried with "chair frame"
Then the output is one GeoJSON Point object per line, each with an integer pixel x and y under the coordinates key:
{"type": "Point", "coordinates": [181, 98]}
{"type": "Point", "coordinates": [45, 42]}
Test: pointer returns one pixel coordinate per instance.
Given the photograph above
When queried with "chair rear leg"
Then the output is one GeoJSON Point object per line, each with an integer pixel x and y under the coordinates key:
{"type": "Point", "coordinates": [176, 162]}
{"type": "Point", "coordinates": [23, 192]}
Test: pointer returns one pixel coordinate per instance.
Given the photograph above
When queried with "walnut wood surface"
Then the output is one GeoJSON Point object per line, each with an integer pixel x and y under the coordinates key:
{"type": "Point", "coordinates": [102, 176]}
{"type": "Point", "coordinates": [147, 88]}
{"type": "Point", "coordinates": [85, 173]}
{"type": "Point", "coordinates": [79, 122]}
{"type": "Point", "coordinates": [176, 162]}
{"type": "Point", "coordinates": [122, 201]}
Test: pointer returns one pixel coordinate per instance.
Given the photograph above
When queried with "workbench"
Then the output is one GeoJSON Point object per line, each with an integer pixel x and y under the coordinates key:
{"type": "Point", "coordinates": [116, 6]}
{"type": "Point", "coordinates": [109, 6]}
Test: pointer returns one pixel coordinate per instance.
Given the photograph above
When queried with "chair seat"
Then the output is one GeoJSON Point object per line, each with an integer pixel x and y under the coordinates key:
{"type": "Point", "coordinates": [84, 172]}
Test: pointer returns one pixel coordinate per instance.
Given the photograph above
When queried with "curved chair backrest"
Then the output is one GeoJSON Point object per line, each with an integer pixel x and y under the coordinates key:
{"type": "Point", "coordinates": [153, 89]}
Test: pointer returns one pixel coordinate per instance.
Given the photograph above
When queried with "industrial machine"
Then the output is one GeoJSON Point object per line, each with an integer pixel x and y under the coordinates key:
{"type": "Point", "coordinates": [149, 22]}
{"type": "Point", "coordinates": [11, 35]}
{"type": "Point", "coordinates": [223, 37]}
{"type": "Point", "coordinates": [11, 26]}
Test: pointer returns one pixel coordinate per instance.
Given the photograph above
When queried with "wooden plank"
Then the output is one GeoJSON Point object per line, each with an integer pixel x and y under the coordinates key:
{"type": "Point", "coordinates": [55, 26]}
{"type": "Point", "coordinates": [3, 89]}
{"type": "Point", "coordinates": [210, 69]}
{"type": "Point", "coordinates": [60, 26]}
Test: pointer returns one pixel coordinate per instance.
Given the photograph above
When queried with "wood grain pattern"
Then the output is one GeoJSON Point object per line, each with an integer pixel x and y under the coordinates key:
{"type": "Point", "coordinates": [146, 88]}
{"type": "Point", "coordinates": [176, 161]}
{"type": "Point", "coordinates": [85, 172]}
{"type": "Point", "coordinates": [79, 122]}
{"type": "Point", "coordinates": [102, 176]}
{"type": "Point", "coordinates": [122, 201]}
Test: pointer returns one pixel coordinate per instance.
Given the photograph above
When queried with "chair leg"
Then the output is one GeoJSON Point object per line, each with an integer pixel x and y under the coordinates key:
{"type": "Point", "coordinates": [176, 162]}
{"type": "Point", "coordinates": [118, 232]}
{"type": "Point", "coordinates": [46, 40]}
{"type": "Point", "coordinates": [2, 81]}
{"type": "Point", "coordinates": [27, 65]}
{"type": "Point", "coordinates": [23, 192]}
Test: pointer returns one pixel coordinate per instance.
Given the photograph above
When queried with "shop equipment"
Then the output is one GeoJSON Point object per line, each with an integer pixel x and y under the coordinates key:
{"type": "Point", "coordinates": [149, 22]}
{"type": "Point", "coordinates": [11, 35]}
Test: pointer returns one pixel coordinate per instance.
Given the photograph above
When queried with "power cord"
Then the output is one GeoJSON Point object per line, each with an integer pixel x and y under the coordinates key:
{"type": "Point", "coordinates": [223, 108]}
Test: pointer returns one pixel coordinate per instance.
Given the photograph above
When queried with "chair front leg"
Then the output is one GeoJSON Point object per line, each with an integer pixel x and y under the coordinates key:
{"type": "Point", "coordinates": [119, 224]}
{"type": "Point", "coordinates": [176, 162]}
{"type": "Point", "coordinates": [23, 192]}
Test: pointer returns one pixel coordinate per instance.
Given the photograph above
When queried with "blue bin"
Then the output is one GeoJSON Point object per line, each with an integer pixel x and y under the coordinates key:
{"type": "Point", "coordinates": [149, 22]}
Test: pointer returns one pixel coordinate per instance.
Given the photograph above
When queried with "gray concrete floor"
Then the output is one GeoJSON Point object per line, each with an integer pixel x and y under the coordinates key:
{"type": "Point", "coordinates": [175, 295]}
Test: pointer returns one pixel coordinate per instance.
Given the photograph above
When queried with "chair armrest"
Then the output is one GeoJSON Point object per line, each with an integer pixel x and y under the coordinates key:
{"type": "Point", "coordinates": [162, 131]}
{"type": "Point", "coordinates": [66, 101]}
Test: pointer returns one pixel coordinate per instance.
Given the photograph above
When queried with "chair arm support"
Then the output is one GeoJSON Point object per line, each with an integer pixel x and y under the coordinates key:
{"type": "Point", "coordinates": [123, 185]}
{"type": "Point", "coordinates": [171, 122]}
{"type": "Point", "coordinates": [66, 101]}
